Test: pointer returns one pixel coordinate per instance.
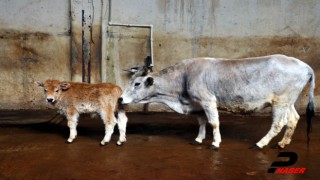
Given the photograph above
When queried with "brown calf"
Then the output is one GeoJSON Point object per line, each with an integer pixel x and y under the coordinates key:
{"type": "Point", "coordinates": [73, 98]}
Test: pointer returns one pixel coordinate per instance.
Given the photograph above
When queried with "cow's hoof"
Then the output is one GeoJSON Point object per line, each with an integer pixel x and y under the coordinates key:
{"type": "Point", "coordinates": [255, 147]}
{"type": "Point", "coordinates": [213, 147]}
{"type": "Point", "coordinates": [276, 146]}
{"type": "Point", "coordinates": [119, 143]}
{"type": "Point", "coordinates": [195, 143]}
{"type": "Point", "coordinates": [103, 143]}
{"type": "Point", "coordinates": [69, 141]}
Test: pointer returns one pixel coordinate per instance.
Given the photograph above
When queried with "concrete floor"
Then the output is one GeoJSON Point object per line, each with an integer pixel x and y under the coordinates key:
{"type": "Point", "coordinates": [157, 148]}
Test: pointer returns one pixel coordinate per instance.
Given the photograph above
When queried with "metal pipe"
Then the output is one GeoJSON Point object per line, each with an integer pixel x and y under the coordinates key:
{"type": "Point", "coordinates": [83, 59]}
{"type": "Point", "coordinates": [104, 24]}
{"type": "Point", "coordinates": [150, 26]}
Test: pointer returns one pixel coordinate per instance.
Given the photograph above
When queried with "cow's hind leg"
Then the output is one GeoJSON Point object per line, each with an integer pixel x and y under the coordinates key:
{"type": "Point", "coordinates": [293, 118]}
{"type": "Point", "coordinates": [122, 125]}
{"type": "Point", "coordinates": [72, 117]}
{"type": "Point", "coordinates": [279, 120]}
{"type": "Point", "coordinates": [202, 131]}
{"type": "Point", "coordinates": [109, 120]}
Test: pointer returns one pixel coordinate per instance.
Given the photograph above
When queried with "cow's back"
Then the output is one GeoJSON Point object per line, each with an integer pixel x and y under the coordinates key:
{"type": "Point", "coordinates": [248, 84]}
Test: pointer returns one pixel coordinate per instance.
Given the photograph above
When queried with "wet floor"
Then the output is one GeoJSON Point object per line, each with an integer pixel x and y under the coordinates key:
{"type": "Point", "coordinates": [157, 147]}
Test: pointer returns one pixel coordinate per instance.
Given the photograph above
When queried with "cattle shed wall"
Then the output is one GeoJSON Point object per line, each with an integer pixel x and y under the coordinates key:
{"type": "Point", "coordinates": [71, 40]}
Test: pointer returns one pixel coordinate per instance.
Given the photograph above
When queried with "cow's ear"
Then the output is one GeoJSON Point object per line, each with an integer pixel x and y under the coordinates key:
{"type": "Point", "coordinates": [145, 71]}
{"type": "Point", "coordinates": [149, 81]}
{"type": "Point", "coordinates": [65, 85]}
{"type": "Point", "coordinates": [38, 83]}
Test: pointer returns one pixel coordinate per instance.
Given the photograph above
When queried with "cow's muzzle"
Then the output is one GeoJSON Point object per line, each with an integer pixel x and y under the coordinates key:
{"type": "Point", "coordinates": [124, 100]}
{"type": "Point", "coordinates": [120, 100]}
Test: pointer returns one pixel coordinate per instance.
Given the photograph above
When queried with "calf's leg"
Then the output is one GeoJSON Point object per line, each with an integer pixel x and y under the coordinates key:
{"type": "Point", "coordinates": [72, 117]}
{"type": "Point", "coordinates": [109, 120]}
{"type": "Point", "coordinates": [122, 125]}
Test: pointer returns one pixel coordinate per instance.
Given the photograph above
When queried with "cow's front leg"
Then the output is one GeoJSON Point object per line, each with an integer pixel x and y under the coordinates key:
{"type": "Point", "coordinates": [110, 121]}
{"type": "Point", "coordinates": [202, 131]}
{"type": "Point", "coordinates": [72, 116]}
{"type": "Point", "coordinates": [211, 111]}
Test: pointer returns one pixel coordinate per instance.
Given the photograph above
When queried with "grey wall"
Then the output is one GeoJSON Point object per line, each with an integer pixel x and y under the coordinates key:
{"type": "Point", "coordinates": [34, 45]}
{"type": "Point", "coordinates": [37, 44]}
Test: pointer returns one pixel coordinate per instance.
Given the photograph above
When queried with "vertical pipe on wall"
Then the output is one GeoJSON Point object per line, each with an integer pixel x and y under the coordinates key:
{"type": "Point", "coordinates": [104, 53]}
{"type": "Point", "coordinates": [91, 42]}
{"type": "Point", "coordinates": [151, 45]}
{"type": "Point", "coordinates": [83, 46]}
{"type": "Point", "coordinates": [74, 49]}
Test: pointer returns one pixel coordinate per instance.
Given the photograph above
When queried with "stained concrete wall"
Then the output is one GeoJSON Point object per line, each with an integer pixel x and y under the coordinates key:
{"type": "Point", "coordinates": [41, 39]}
{"type": "Point", "coordinates": [34, 46]}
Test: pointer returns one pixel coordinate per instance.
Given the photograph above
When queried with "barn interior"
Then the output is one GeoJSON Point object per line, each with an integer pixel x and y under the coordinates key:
{"type": "Point", "coordinates": [96, 40]}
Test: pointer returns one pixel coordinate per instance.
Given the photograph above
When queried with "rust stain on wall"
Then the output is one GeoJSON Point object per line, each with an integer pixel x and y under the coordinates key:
{"type": "Point", "coordinates": [11, 34]}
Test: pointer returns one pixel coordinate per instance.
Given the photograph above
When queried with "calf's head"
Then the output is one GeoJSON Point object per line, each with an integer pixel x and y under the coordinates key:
{"type": "Point", "coordinates": [138, 90]}
{"type": "Point", "coordinates": [52, 89]}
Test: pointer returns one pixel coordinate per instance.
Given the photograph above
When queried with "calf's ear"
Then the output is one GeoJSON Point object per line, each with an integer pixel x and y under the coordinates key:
{"type": "Point", "coordinates": [65, 85]}
{"type": "Point", "coordinates": [149, 81]}
{"type": "Point", "coordinates": [38, 83]}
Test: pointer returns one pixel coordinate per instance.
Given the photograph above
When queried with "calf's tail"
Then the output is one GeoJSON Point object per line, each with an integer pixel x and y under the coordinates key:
{"type": "Point", "coordinates": [310, 107]}
{"type": "Point", "coordinates": [119, 108]}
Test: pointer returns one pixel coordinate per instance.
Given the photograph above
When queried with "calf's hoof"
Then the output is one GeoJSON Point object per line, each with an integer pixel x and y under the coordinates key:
{"type": "Point", "coordinates": [255, 147]}
{"type": "Point", "coordinates": [213, 147]}
{"type": "Point", "coordinates": [68, 142]}
{"type": "Point", "coordinates": [195, 143]}
{"type": "Point", "coordinates": [276, 146]}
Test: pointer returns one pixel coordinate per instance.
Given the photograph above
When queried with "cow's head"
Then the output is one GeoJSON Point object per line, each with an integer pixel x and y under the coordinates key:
{"type": "Point", "coordinates": [139, 89]}
{"type": "Point", "coordinates": [52, 89]}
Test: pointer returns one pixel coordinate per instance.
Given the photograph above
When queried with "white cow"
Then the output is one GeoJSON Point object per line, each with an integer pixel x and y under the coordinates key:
{"type": "Point", "coordinates": [242, 85]}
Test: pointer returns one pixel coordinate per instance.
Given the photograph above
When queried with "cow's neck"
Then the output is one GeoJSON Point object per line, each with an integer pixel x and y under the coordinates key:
{"type": "Point", "coordinates": [167, 91]}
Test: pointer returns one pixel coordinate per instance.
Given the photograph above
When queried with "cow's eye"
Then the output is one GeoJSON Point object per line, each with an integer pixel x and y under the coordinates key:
{"type": "Point", "coordinates": [57, 91]}
{"type": "Point", "coordinates": [45, 91]}
{"type": "Point", "coordinates": [137, 84]}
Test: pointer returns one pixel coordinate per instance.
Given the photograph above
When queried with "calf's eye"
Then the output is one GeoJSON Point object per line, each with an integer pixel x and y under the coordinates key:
{"type": "Point", "coordinates": [45, 91]}
{"type": "Point", "coordinates": [57, 91]}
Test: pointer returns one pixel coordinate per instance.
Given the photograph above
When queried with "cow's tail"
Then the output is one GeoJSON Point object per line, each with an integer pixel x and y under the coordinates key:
{"type": "Point", "coordinates": [310, 107]}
